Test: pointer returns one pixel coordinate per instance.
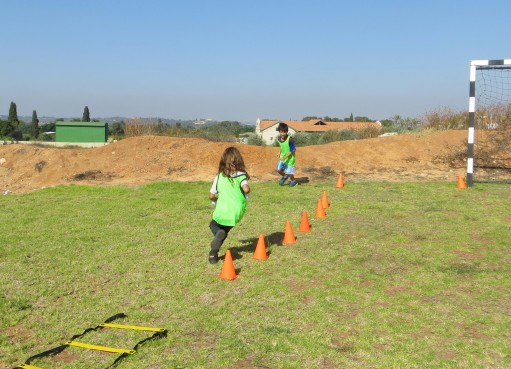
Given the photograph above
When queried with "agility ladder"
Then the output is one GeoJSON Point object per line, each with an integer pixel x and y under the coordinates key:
{"type": "Point", "coordinates": [158, 333]}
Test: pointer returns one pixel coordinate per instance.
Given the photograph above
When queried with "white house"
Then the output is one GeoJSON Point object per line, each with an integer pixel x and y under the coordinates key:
{"type": "Point", "coordinates": [267, 129]}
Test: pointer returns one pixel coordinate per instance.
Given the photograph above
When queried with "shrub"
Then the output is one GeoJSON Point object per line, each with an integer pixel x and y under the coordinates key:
{"type": "Point", "coordinates": [329, 136]}
{"type": "Point", "coordinates": [138, 127]}
{"type": "Point", "coordinates": [256, 140]}
{"type": "Point", "coordinates": [348, 134]}
{"type": "Point", "coordinates": [304, 139]}
{"type": "Point", "coordinates": [445, 118]}
{"type": "Point", "coordinates": [369, 132]}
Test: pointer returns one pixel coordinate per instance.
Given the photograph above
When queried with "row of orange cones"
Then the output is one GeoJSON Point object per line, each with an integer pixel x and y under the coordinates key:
{"type": "Point", "coordinates": [228, 271]}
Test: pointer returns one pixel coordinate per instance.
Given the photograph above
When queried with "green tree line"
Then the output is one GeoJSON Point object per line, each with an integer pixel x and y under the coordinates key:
{"type": "Point", "coordinates": [230, 131]}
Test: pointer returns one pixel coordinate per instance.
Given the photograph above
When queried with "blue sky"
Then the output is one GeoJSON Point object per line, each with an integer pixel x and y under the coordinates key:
{"type": "Point", "coordinates": [243, 60]}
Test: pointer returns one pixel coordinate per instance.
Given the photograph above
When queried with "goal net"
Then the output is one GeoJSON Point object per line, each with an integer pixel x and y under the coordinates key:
{"type": "Point", "coordinates": [489, 132]}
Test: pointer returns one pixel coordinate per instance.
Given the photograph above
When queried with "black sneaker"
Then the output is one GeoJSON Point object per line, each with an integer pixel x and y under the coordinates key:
{"type": "Point", "coordinates": [283, 180]}
{"type": "Point", "coordinates": [213, 257]}
{"type": "Point", "coordinates": [217, 241]}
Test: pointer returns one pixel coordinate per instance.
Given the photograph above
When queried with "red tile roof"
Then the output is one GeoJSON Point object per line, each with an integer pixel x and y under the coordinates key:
{"type": "Point", "coordinates": [317, 125]}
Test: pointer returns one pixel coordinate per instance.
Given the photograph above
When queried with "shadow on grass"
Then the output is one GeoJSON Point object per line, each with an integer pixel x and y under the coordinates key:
{"type": "Point", "coordinates": [249, 245]}
{"type": "Point", "coordinates": [302, 179]}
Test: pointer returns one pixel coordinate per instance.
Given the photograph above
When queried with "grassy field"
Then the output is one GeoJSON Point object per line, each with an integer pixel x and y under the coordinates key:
{"type": "Point", "coordinates": [408, 275]}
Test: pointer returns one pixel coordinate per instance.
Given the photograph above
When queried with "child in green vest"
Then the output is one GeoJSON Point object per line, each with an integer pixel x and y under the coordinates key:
{"type": "Point", "coordinates": [229, 194]}
{"type": "Point", "coordinates": [287, 156]}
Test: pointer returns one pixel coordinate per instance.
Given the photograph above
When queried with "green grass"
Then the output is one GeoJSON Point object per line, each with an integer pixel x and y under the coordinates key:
{"type": "Point", "coordinates": [408, 275]}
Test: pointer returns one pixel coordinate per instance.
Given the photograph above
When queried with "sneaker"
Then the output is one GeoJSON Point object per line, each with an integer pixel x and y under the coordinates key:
{"type": "Point", "coordinates": [218, 239]}
{"type": "Point", "coordinates": [293, 183]}
{"type": "Point", "coordinates": [213, 257]}
{"type": "Point", "coordinates": [283, 180]}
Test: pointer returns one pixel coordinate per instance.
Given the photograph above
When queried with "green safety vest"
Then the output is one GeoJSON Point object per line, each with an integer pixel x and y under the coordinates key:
{"type": "Point", "coordinates": [231, 203]}
{"type": "Point", "coordinates": [284, 149]}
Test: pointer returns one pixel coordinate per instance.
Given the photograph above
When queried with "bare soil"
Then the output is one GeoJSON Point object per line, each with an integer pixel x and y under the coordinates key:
{"type": "Point", "coordinates": [140, 160]}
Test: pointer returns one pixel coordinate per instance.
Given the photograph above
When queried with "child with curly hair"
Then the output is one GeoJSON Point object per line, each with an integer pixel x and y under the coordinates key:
{"type": "Point", "coordinates": [229, 193]}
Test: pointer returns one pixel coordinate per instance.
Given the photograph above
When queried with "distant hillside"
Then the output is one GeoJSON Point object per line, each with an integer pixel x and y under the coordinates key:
{"type": "Point", "coordinates": [110, 120]}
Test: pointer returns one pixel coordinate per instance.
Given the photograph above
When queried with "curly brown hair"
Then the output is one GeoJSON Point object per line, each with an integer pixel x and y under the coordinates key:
{"type": "Point", "coordinates": [231, 162]}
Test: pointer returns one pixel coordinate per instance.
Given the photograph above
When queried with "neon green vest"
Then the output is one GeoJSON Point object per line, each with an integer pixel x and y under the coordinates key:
{"type": "Point", "coordinates": [231, 203]}
{"type": "Point", "coordinates": [284, 149]}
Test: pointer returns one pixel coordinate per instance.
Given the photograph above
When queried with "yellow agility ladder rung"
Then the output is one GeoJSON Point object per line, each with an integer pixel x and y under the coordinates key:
{"type": "Point", "coordinates": [134, 327]}
{"type": "Point", "coordinates": [27, 366]}
{"type": "Point", "coordinates": [100, 348]}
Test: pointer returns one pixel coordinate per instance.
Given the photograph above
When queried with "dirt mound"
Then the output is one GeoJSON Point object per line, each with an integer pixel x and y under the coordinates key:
{"type": "Point", "coordinates": [140, 160]}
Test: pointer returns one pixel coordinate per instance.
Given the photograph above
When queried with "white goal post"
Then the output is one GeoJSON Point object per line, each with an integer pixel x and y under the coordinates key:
{"type": "Point", "coordinates": [493, 92]}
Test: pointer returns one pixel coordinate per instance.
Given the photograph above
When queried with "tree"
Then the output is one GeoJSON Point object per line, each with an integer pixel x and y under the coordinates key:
{"type": "Point", "coordinates": [48, 127]}
{"type": "Point", "coordinates": [256, 140]}
{"type": "Point", "coordinates": [86, 116]}
{"type": "Point", "coordinates": [34, 128]}
{"type": "Point", "coordinates": [405, 123]}
{"type": "Point", "coordinates": [117, 129]}
{"type": "Point", "coordinates": [13, 114]}
{"type": "Point", "coordinates": [6, 128]}
{"type": "Point", "coordinates": [387, 123]}
{"type": "Point", "coordinates": [14, 122]}
{"type": "Point", "coordinates": [351, 118]}
{"type": "Point", "coordinates": [311, 117]}
{"type": "Point", "coordinates": [361, 119]}
{"type": "Point", "coordinates": [331, 119]}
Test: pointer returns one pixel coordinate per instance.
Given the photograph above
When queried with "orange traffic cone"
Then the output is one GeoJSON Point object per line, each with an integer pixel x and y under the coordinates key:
{"type": "Point", "coordinates": [260, 250]}
{"type": "Point", "coordinates": [461, 182]}
{"type": "Point", "coordinates": [228, 271]}
{"type": "Point", "coordinates": [304, 224]}
{"type": "Point", "coordinates": [340, 182]}
{"type": "Point", "coordinates": [320, 210]}
{"type": "Point", "coordinates": [324, 201]}
{"type": "Point", "coordinates": [289, 235]}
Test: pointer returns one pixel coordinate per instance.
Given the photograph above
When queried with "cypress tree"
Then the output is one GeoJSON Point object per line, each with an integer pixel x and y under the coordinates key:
{"type": "Point", "coordinates": [13, 114]}
{"type": "Point", "coordinates": [86, 116]}
{"type": "Point", "coordinates": [34, 128]}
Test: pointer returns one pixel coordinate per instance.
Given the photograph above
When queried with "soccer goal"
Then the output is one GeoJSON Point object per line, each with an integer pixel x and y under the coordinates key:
{"type": "Point", "coordinates": [489, 126]}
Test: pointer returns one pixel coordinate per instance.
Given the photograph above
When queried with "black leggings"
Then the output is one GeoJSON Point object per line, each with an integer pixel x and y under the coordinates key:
{"type": "Point", "coordinates": [215, 227]}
